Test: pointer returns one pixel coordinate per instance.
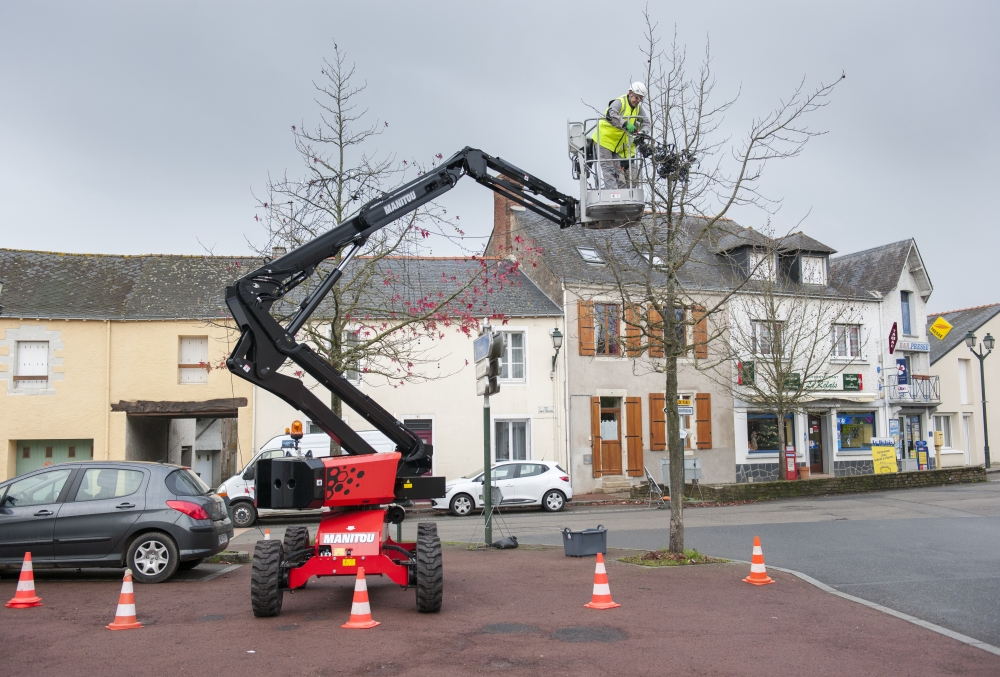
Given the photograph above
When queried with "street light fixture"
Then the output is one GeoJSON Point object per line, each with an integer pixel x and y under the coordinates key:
{"type": "Point", "coordinates": [981, 355]}
{"type": "Point", "coordinates": [557, 340]}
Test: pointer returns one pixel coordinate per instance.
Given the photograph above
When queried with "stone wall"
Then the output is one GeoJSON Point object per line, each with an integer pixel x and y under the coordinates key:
{"type": "Point", "coordinates": [763, 491]}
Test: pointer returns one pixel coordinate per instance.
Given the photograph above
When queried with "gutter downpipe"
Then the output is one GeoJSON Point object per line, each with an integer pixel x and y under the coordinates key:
{"type": "Point", "coordinates": [107, 391]}
{"type": "Point", "coordinates": [566, 399]}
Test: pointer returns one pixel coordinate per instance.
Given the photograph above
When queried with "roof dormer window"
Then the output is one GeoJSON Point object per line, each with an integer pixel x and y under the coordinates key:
{"type": "Point", "coordinates": [590, 255]}
{"type": "Point", "coordinates": [813, 270]}
{"type": "Point", "coordinates": [760, 266]}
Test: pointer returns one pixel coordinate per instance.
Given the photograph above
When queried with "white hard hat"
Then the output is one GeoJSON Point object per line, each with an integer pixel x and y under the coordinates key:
{"type": "Point", "coordinates": [639, 89]}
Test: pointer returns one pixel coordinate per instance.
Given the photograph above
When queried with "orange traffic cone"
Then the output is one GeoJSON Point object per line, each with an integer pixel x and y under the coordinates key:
{"type": "Point", "coordinates": [25, 596]}
{"type": "Point", "coordinates": [125, 615]}
{"type": "Point", "coordinates": [758, 574]}
{"type": "Point", "coordinates": [361, 611]}
{"type": "Point", "coordinates": [267, 534]}
{"type": "Point", "coordinates": [601, 599]}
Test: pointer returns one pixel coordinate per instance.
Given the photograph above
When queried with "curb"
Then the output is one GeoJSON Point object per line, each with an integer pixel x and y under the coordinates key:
{"type": "Point", "coordinates": [964, 639]}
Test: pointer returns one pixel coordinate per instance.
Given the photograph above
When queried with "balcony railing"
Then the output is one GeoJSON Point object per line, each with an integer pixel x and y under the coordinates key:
{"type": "Point", "coordinates": [917, 389]}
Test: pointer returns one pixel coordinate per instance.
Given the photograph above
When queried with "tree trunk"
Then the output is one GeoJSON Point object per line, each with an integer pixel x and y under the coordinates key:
{"type": "Point", "coordinates": [676, 452]}
{"type": "Point", "coordinates": [782, 472]}
{"type": "Point", "coordinates": [337, 407]}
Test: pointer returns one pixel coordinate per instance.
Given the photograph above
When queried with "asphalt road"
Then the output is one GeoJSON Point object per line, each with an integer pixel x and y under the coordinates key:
{"type": "Point", "coordinates": [932, 553]}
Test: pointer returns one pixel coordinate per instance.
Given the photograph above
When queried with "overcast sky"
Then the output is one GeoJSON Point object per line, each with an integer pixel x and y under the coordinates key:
{"type": "Point", "coordinates": [147, 127]}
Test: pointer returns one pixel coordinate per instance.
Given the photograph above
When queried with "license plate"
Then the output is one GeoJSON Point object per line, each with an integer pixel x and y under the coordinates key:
{"type": "Point", "coordinates": [223, 539]}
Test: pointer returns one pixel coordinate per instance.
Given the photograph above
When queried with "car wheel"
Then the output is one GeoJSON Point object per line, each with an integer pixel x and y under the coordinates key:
{"type": "Point", "coordinates": [553, 501]}
{"type": "Point", "coordinates": [152, 557]}
{"type": "Point", "coordinates": [188, 565]}
{"type": "Point", "coordinates": [244, 514]}
{"type": "Point", "coordinates": [265, 584]}
{"type": "Point", "coordinates": [430, 569]}
{"type": "Point", "coordinates": [461, 505]}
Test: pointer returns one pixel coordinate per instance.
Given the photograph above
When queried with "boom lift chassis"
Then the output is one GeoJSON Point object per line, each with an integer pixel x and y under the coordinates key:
{"type": "Point", "coordinates": [361, 487]}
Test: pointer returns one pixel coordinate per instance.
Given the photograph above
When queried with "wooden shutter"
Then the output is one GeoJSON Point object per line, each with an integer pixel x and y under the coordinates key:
{"type": "Point", "coordinates": [595, 435]}
{"type": "Point", "coordinates": [633, 435]}
{"type": "Point", "coordinates": [585, 327]}
{"type": "Point", "coordinates": [703, 419]}
{"type": "Point", "coordinates": [657, 422]}
{"type": "Point", "coordinates": [700, 334]}
{"type": "Point", "coordinates": [655, 332]}
{"type": "Point", "coordinates": [633, 334]}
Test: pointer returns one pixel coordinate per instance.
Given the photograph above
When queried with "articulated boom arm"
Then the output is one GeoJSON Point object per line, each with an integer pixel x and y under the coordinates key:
{"type": "Point", "coordinates": [265, 344]}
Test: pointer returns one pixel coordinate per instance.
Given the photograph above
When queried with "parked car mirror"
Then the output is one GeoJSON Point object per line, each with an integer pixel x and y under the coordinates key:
{"type": "Point", "coordinates": [249, 473]}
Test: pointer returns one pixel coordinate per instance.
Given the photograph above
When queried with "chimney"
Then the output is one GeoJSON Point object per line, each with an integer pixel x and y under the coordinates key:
{"type": "Point", "coordinates": [500, 242]}
{"type": "Point", "coordinates": [277, 251]}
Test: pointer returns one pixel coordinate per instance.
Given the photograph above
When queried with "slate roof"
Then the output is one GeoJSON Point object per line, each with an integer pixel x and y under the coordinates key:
{"type": "Point", "coordinates": [706, 270]}
{"type": "Point", "coordinates": [801, 242]}
{"type": "Point", "coordinates": [876, 269]}
{"type": "Point", "coordinates": [51, 285]}
{"type": "Point", "coordinates": [962, 322]}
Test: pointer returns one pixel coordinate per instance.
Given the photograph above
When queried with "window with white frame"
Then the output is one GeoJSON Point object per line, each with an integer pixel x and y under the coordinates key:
{"type": "Point", "coordinates": [512, 361]}
{"type": "Point", "coordinates": [590, 255]}
{"type": "Point", "coordinates": [511, 440]}
{"type": "Point", "coordinates": [943, 424]}
{"type": "Point", "coordinates": [813, 270]}
{"type": "Point", "coordinates": [766, 337]}
{"type": "Point", "coordinates": [352, 367]}
{"type": "Point", "coordinates": [193, 364]}
{"type": "Point", "coordinates": [32, 365]}
{"type": "Point", "coordinates": [761, 266]}
{"type": "Point", "coordinates": [846, 340]}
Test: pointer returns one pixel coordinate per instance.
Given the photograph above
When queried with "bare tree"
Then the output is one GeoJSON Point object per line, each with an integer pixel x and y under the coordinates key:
{"type": "Point", "coordinates": [666, 273]}
{"type": "Point", "coordinates": [380, 321]}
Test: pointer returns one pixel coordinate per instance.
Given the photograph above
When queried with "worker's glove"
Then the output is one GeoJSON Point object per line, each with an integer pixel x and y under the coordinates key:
{"type": "Point", "coordinates": [630, 127]}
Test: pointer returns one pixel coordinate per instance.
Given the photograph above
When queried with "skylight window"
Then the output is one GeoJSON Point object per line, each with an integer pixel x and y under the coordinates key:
{"type": "Point", "coordinates": [590, 255]}
{"type": "Point", "coordinates": [657, 261]}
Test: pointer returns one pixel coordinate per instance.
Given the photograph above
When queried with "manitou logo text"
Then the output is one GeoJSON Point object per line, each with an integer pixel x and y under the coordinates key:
{"type": "Point", "coordinates": [399, 202]}
{"type": "Point", "coordinates": [360, 537]}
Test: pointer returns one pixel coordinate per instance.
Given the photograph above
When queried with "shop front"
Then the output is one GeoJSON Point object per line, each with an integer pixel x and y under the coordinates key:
{"type": "Point", "coordinates": [855, 430]}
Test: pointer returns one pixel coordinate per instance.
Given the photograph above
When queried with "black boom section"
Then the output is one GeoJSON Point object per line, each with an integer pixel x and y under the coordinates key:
{"type": "Point", "coordinates": [265, 344]}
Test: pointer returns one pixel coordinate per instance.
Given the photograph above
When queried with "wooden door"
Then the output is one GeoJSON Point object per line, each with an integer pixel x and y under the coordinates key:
{"type": "Point", "coordinates": [611, 441]}
{"type": "Point", "coordinates": [815, 445]}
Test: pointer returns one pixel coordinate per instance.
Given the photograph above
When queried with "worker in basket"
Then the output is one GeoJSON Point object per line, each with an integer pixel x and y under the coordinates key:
{"type": "Point", "coordinates": [624, 117]}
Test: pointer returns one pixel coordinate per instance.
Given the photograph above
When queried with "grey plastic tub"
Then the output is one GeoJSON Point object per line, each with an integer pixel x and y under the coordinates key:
{"type": "Point", "coordinates": [586, 542]}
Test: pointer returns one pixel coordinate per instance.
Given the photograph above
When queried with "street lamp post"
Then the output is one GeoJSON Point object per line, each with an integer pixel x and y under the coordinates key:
{"type": "Point", "coordinates": [557, 340]}
{"type": "Point", "coordinates": [981, 355]}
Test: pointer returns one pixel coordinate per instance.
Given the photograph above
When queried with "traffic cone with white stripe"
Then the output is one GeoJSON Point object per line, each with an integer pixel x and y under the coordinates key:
{"type": "Point", "coordinates": [125, 615]}
{"type": "Point", "coordinates": [361, 610]}
{"type": "Point", "coordinates": [758, 573]}
{"type": "Point", "coordinates": [267, 534]}
{"type": "Point", "coordinates": [25, 596]}
{"type": "Point", "coordinates": [601, 599]}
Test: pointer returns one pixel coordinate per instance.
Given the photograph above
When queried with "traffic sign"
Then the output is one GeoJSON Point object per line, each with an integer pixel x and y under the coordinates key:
{"type": "Point", "coordinates": [685, 411]}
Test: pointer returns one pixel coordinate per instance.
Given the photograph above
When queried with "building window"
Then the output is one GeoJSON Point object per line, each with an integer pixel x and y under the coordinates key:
{"type": "Point", "coordinates": [813, 270]}
{"type": "Point", "coordinates": [71, 453]}
{"type": "Point", "coordinates": [352, 368]}
{"type": "Point", "coordinates": [606, 325]}
{"type": "Point", "coordinates": [963, 381]}
{"type": "Point", "coordinates": [846, 340]}
{"type": "Point", "coordinates": [855, 431]}
{"type": "Point", "coordinates": [761, 266]}
{"type": "Point", "coordinates": [904, 307]}
{"type": "Point", "coordinates": [512, 360]}
{"type": "Point", "coordinates": [590, 255]}
{"type": "Point", "coordinates": [32, 364]}
{"type": "Point", "coordinates": [511, 440]}
{"type": "Point", "coordinates": [766, 337]}
{"type": "Point", "coordinates": [762, 432]}
{"type": "Point", "coordinates": [25, 452]}
{"type": "Point", "coordinates": [193, 362]}
{"type": "Point", "coordinates": [943, 423]}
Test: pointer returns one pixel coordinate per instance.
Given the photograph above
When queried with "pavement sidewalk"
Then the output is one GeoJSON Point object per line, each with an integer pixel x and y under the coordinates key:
{"type": "Point", "coordinates": [517, 612]}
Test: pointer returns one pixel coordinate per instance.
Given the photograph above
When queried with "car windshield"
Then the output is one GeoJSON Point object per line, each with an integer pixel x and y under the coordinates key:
{"type": "Point", "coordinates": [185, 483]}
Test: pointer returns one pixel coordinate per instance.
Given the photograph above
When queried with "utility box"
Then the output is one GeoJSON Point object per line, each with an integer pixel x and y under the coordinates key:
{"type": "Point", "coordinates": [692, 470]}
{"type": "Point", "coordinates": [586, 542]}
{"type": "Point", "coordinates": [791, 465]}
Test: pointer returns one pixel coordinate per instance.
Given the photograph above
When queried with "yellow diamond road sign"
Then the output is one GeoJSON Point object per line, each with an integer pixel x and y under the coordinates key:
{"type": "Point", "coordinates": [940, 328]}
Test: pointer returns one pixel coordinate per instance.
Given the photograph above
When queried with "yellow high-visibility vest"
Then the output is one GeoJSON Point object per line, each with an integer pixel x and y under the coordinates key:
{"type": "Point", "coordinates": [614, 139]}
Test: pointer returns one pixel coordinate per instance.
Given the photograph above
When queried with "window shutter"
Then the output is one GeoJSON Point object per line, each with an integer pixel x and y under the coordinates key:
{"type": "Point", "coordinates": [585, 328]}
{"type": "Point", "coordinates": [595, 435]}
{"type": "Point", "coordinates": [657, 422]}
{"type": "Point", "coordinates": [633, 435]}
{"type": "Point", "coordinates": [700, 334]}
{"type": "Point", "coordinates": [655, 332]}
{"type": "Point", "coordinates": [633, 334]}
{"type": "Point", "coordinates": [703, 419]}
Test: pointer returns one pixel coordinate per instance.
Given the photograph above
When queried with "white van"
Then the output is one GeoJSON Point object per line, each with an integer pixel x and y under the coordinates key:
{"type": "Point", "coordinates": [240, 488]}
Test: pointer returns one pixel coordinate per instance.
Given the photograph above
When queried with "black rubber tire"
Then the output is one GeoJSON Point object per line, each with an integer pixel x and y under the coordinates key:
{"type": "Point", "coordinates": [265, 574]}
{"type": "Point", "coordinates": [244, 514]}
{"type": "Point", "coordinates": [189, 564]}
{"type": "Point", "coordinates": [549, 505]}
{"type": "Point", "coordinates": [152, 543]}
{"type": "Point", "coordinates": [296, 540]}
{"type": "Point", "coordinates": [430, 569]}
{"type": "Point", "coordinates": [462, 505]}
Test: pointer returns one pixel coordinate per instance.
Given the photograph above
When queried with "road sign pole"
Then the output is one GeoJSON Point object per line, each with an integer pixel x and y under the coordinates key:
{"type": "Point", "coordinates": [487, 480]}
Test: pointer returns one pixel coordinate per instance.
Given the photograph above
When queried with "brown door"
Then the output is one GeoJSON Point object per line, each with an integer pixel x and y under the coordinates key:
{"type": "Point", "coordinates": [815, 445]}
{"type": "Point", "coordinates": [611, 436]}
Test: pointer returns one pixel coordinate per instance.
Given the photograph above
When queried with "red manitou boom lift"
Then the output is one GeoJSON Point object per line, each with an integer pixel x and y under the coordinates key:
{"type": "Point", "coordinates": [362, 487]}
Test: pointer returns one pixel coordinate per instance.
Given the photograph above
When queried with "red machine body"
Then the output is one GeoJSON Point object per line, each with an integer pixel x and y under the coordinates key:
{"type": "Point", "coordinates": [360, 480]}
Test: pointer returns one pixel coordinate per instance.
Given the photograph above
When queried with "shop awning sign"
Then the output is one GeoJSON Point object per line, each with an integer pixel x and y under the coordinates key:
{"type": "Point", "coordinates": [940, 328]}
{"type": "Point", "coordinates": [893, 337]}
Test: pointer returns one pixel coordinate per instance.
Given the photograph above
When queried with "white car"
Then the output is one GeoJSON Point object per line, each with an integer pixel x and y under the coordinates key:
{"type": "Point", "coordinates": [541, 483]}
{"type": "Point", "coordinates": [240, 488]}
